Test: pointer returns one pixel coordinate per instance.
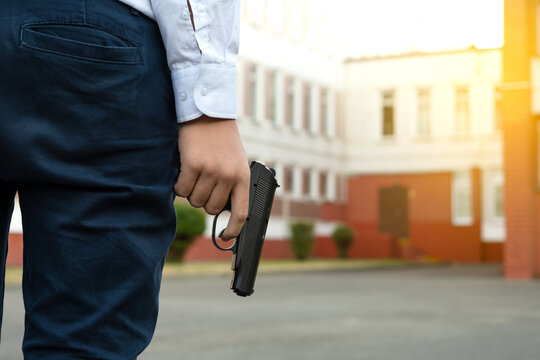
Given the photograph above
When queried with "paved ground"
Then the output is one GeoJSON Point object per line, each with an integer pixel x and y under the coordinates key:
{"type": "Point", "coordinates": [442, 313]}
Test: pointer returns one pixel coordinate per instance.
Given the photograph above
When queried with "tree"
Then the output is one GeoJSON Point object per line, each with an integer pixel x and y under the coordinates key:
{"type": "Point", "coordinates": [190, 223]}
{"type": "Point", "coordinates": [302, 239]}
{"type": "Point", "coordinates": [343, 237]}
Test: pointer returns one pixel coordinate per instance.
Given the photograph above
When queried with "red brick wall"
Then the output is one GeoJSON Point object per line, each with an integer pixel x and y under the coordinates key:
{"type": "Point", "coordinates": [333, 212]}
{"type": "Point", "coordinates": [324, 248]}
{"type": "Point", "coordinates": [519, 186]}
{"type": "Point", "coordinates": [203, 249]}
{"type": "Point", "coordinates": [15, 250]}
{"type": "Point", "coordinates": [521, 198]}
{"type": "Point", "coordinates": [492, 252]}
{"type": "Point", "coordinates": [431, 231]}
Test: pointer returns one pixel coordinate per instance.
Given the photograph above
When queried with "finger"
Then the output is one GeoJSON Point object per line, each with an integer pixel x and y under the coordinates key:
{"type": "Point", "coordinates": [218, 198]}
{"type": "Point", "coordinates": [239, 210]}
{"type": "Point", "coordinates": [201, 191]}
{"type": "Point", "coordinates": [186, 181]}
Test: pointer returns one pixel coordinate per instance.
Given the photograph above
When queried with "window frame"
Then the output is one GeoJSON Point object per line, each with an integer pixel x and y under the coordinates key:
{"type": "Point", "coordinates": [271, 94]}
{"type": "Point", "coordinates": [290, 98]}
{"type": "Point", "coordinates": [251, 90]}
{"type": "Point", "coordinates": [462, 183]}
{"type": "Point", "coordinates": [423, 109]}
{"type": "Point", "coordinates": [498, 109]}
{"type": "Point", "coordinates": [307, 101]}
{"type": "Point", "coordinates": [324, 111]}
{"type": "Point", "coordinates": [306, 183]}
{"type": "Point", "coordinates": [462, 110]}
{"type": "Point", "coordinates": [388, 98]}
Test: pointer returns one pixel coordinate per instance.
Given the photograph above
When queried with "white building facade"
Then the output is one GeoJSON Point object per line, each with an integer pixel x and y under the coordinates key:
{"type": "Point", "coordinates": [432, 113]}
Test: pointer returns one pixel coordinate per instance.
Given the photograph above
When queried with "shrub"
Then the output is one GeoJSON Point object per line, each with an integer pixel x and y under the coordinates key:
{"type": "Point", "coordinates": [190, 222]}
{"type": "Point", "coordinates": [343, 238]}
{"type": "Point", "coordinates": [301, 239]}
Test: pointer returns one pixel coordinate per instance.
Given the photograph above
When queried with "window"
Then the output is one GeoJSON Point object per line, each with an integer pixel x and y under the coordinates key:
{"type": "Point", "coordinates": [251, 91]}
{"type": "Point", "coordinates": [289, 101]}
{"type": "Point", "coordinates": [324, 111]}
{"type": "Point", "coordinates": [462, 214]}
{"type": "Point", "coordinates": [493, 225]}
{"type": "Point", "coordinates": [288, 177]}
{"type": "Point", "coordinates": [498, 121]}
{"type": "Point", "coordinates": [463, 208]}
{"type": "Point", "coordinates": [306, 182]}
{"type": "Point", "coordinates": [462, 110]}
{"type": "Point", "coordinates": [306, 123]}
{"type": "Point", "coordinates": [339, 188]}
{"type": "Point", "coordinates": [323, 180]}
{"type": "Point", "coordinates": [424, 111]}
{"type": "Point", "coordinates": [388, 113]}
{"type": "Point", "coordinates": [499, 202]}
{"type": "Point", "coordinates": [271, 103]}
{"type": "Point", "coordinates": [493, 196]}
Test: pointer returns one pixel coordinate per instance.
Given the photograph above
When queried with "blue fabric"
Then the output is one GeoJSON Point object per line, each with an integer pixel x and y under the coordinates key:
{"type": "Point", "coordinates": [88, 139]}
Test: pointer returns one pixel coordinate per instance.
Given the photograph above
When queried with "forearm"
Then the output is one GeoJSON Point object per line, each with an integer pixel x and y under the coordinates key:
{"type": "Point", "coordinates": [201, 38]}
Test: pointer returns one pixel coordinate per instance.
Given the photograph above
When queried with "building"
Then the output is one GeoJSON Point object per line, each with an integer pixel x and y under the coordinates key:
{"type": "Point", "coordinates": [289, 86]}
{"type": "Point", "coordinates": [425, 155]}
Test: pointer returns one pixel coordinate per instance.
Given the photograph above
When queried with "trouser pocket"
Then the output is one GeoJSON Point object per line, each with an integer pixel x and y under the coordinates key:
{"type": "Point", "coordinates": [81, 41]}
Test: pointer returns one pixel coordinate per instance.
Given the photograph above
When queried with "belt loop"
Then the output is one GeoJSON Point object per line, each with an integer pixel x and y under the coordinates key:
{"type": "Point", "coordinates": [134, 12]}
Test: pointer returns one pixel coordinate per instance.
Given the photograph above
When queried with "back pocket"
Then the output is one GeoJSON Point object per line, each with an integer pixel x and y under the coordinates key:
{"type": "Point", "coordinates": [81, 41]}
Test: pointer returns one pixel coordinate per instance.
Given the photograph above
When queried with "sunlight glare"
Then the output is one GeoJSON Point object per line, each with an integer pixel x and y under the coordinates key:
{"type": "Point", "coordinates": [395, 26]}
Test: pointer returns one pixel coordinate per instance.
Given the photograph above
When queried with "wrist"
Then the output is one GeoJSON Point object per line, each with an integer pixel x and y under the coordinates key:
{"type": "Point", "coordinates": [207, 120]}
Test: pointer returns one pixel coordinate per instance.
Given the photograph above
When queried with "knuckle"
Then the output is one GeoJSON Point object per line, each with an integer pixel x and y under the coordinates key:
{"type": "Point", "coordinates": [241, 216]}
{"type": "Point", "coordinates": [195, 203]}
{"type": "Point", "coordinates": [211, 210]}
{"type": "Point", "coordinates": [245, 174]}
{"type": "Point", "coordinates": [193, 166]}
{"type": "Point", "coordinates": [210, 170]}
{"type": "Point", "coordinates": [180, 191]}
{"type": "Point", "coordinates": [228, 176]}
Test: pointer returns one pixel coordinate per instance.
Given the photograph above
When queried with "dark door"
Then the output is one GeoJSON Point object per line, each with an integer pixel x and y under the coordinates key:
{"type": "Point", "coordinates": [394, 211]}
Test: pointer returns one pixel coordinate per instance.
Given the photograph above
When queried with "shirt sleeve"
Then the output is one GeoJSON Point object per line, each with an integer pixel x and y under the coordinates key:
{"type": "Point", "coordinates": [201, 55]}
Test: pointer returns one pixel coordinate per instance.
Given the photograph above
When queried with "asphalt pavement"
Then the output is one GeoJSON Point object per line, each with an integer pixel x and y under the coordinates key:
{"type": "Point", "coordinates": [436, 312]}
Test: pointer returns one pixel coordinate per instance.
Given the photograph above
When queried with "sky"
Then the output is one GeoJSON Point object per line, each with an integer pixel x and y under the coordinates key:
{"type": "Point", "coordinates": [382, 27]}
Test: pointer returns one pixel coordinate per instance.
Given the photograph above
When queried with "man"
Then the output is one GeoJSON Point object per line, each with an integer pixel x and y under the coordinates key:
{"type": "Point", "coordinates": [91, 93]}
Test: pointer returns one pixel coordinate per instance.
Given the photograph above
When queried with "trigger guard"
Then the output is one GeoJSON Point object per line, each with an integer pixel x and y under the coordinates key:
{"type": "Point", "coordinates": [230, 248]}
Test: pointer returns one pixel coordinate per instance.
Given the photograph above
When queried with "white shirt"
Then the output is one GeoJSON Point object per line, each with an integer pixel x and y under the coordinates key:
{"type": "Point", "coordinates": [202, 61]}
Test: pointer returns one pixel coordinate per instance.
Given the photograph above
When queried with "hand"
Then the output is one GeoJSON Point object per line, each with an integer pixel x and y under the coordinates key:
{"type": "Point", "coordinates": [213, 164]}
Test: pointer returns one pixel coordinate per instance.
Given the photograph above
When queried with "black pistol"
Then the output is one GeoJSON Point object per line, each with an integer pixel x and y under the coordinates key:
{"type": "Point", "coordinates": [248, 245]}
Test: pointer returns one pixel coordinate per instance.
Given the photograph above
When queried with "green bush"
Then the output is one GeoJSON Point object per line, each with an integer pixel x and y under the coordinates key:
{"type": "Point", "coordinates": [343, 237]}
{"type": "Point", "coordinates": [190, 222]}
{"type": "Point", "coordinates": [302, 239]}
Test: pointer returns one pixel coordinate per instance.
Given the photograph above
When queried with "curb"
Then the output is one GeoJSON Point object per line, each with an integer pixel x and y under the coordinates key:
{"type": "Point", "coordinates": [171, 270]}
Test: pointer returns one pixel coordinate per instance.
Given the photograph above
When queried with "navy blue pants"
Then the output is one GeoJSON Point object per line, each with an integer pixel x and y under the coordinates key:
{"type": "Point", "coordinates": [88, 141]}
